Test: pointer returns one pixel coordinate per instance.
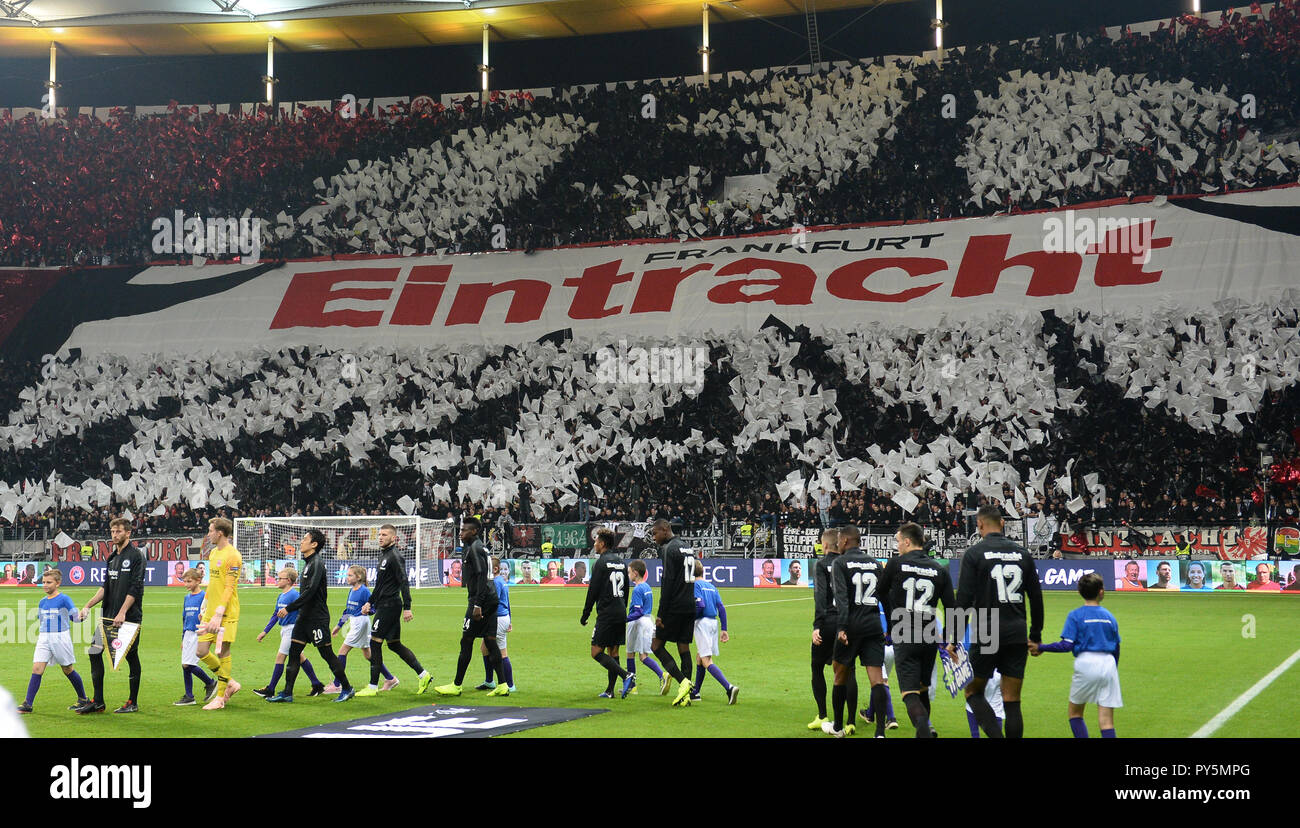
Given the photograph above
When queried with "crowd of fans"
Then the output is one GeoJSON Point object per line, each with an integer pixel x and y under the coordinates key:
{"type": "Point", "coordinates": [518, 436]}
{"type": "Point", "coordinates": [539, 452]}
{"type": "Point", "coordinates": [84, 191]}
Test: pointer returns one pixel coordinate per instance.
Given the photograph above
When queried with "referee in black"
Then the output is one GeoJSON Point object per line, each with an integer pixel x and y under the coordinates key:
{"type": "Point", "coordinates": [122, 594]}
{"type": "Point", "coordinates": [313, 624]}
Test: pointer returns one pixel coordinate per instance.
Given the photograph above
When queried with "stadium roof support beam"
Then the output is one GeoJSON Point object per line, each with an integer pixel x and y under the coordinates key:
{"type": "Point", "coordinates": [229, 6]}
{"type": "Point", "coordinates": [16, 9]}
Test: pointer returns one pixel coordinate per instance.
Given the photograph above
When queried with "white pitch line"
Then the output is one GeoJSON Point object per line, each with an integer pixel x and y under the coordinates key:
{"type": "Point", "coordinates": [1244, 699]}
{"type": "Point", "coordinates": [774, 601]}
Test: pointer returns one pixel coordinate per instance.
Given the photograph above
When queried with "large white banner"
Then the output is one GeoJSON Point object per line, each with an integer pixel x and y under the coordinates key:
{"type": "Point", "coordinates": [1195, 251]}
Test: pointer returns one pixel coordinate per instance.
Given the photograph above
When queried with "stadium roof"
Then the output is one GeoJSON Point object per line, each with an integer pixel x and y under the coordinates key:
{"type": "Point", "coordinates": [123, 28]}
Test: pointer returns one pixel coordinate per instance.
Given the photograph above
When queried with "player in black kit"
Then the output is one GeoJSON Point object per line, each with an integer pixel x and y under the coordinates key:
{"type": "Point", "coordinates": [122, 595]}
{"type": "Point", "coordinates": [391, 603]}
{"type": "Point", "coordinates": [481, 612]}
{"type": "Point", "coordinates": [996, 575]}
{"type": "Point", "coordinates": [607, 592]}
{"type": "Point", "coordinates": [911, 587]}
{"type": "Point", "coordinates": [313, 623]}
{"type": "Point", "coordinates": [823, 634]}
{"type": "Point", "coordinates": [675, 619]}
{"type": "Point", "coordinates": [858, 637]}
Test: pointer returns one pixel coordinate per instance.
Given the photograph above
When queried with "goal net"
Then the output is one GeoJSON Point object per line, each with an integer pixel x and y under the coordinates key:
{"type": "Point", "coordinates": [268, 544]}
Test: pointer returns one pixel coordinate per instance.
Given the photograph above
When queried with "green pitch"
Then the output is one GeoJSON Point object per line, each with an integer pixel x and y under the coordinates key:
{"type": "Point", "coordinates": [1185, 658]}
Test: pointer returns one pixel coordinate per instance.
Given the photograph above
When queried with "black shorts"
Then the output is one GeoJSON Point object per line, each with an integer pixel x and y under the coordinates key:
{"type": "Point", "coordinates": [1008, 659]}
{"type": "Point", "coordinates": [387, 625]}
{"type": "Point", "coordinates": [823, 653]}
{"type": "Point", "coordinates": [609, 634]}
{"type": "Point", "coordinates": [678, 628]}
{"type": "Point", "coordinates": [867, 648]}
{"type": "Point", "coordinates": [485, 627]}
{"type": "Point", "coordinates": [913, 665]}
{"type": "Point", "coordinates": [313, 631]}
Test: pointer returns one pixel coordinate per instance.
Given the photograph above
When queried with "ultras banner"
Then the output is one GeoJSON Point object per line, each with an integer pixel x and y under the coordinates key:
{"type": "Point", "coordinates": [1163, 540]}
{"type": "Point", "coordinates": [1200, 250]}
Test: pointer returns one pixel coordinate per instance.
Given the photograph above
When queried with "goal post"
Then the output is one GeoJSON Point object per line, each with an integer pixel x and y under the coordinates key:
{"type": "Point", "coordinates": [268, 544]}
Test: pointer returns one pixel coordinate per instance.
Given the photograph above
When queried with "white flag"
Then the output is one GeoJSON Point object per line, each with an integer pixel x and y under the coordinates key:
{"type": "Point", "coordinates": [122, 641]}
{"type": "Point", "coordinates": [906, 500]}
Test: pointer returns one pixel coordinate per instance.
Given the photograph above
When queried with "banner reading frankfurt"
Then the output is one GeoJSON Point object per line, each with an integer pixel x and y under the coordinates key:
{"type": "Point", "coordinates": [1199, 250]}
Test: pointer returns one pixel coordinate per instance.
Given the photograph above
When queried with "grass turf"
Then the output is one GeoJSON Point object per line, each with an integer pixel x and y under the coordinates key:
{"type": "Point", "coordinates": [1184, 658]}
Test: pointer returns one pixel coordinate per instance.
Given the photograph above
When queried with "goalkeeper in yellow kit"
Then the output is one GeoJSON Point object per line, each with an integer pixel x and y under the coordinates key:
{"type": "Point", "coordinates": [220, 618]}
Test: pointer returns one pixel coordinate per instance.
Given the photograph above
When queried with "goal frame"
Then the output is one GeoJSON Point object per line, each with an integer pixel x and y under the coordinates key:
{"type": "Point", "coordinates": [423, 554]}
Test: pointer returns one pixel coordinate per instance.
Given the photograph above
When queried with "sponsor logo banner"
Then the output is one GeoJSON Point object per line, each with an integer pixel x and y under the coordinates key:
{"type": "Point", "coordinates": [450, 722]}
{"type": "Point", "coordinates": [426, 575]}
{"type": "Point", "coordinates": [901, 275]}
{"type": "Point", "coordinates": [92, 573]}
{"type": "Point", "coordinates": [773, 572]}
{"type": "Point", "coordinates": [1166, 573]}
{"type": "Point", "coordinates": [22, 573]}
{"type": "Point", "coordinates": [1163, 575]}
{"type": "Point", "coordinates": [255, 572]}
{"type": "Point", "coordinates": [1065, 575]}
{"type": "Point", "coordinates": [721, 572]}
